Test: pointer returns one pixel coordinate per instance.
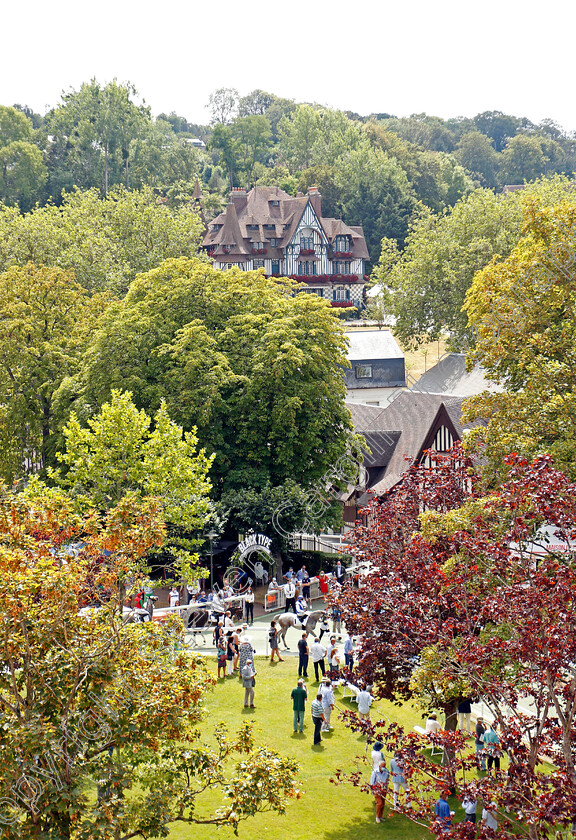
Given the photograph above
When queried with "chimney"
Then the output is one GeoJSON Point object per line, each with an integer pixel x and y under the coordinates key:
{"type": "Point", "coordinates": [315, 200]}
{"type": "Point", "coordinates": [238, 198]}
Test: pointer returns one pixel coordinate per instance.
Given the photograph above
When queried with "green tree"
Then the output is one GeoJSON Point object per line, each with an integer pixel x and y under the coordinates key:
{"type": "Point", "coordinates": [374, 192]}
{"type": "Point", "coordinates": [254, 368]}
{"type": "Point", "coordinates": [522, 311]}
{"type": "Point", "coordinates": [105, 241]}
{"type": "Point", "coordinates": [523, 159]}
{"type": "Point", "coordinates": [225, 146]}
{"type": "Point", "coordinates": [498, 126]}
{"type": "Point", "coordinates": [123, 450]}
{"type": "Point", "coordinates": [90, 700]}
{"type": "Point", "coordinates": [23, 172]}
{"type": "Point", "coordinates": [425, 285]}
{"type": "Point", "coordinates": [476, 153]}
{"type": "Point", "coordinates": [45, 318]}
{"type": "Point", "coordinates": [252, 134]}
{"type": "Point", "coordinates": [223, 105]}
{"type": "Point", "coordinates": [100, 121]}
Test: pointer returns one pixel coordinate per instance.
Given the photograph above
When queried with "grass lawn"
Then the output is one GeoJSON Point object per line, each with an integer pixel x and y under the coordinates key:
{"type": "Point", "coordinates": [325, 811]}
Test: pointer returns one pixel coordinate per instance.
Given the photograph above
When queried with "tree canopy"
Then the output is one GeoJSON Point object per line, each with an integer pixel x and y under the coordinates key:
{"type": "Point", "coordinates": [522, 311]}
{"type": "Point", "coordinates": [100, 720]}
{"type": "Point", "coordinates": [475, 602]}
{"type": "Point", "coordinates": [254, 368]}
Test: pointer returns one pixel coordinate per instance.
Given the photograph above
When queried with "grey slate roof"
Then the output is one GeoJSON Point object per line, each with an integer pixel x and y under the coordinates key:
{"type": "Point", "coordinates": [450, 377]}
{"type": "Point", "coordinates": [372, 344]}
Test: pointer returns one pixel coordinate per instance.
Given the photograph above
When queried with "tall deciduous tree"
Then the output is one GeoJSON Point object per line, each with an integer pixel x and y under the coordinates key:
{"type": "Point", "coordinates": [105, 241]}
{"type": "Point", "coordinates": [45, 318]}
{"type": "Point", "coordinates": [254, 368]}
{"type": "Point", "coordinates": [476, 602]}
{"type": "Point", "coordinates": [522, 311]}
{"type": "Point", "coordinates": [23, 172]}
{"type": "Point", "coordinates": [100, 120]}
{"type": "Point", "coordinates": [88, 700]}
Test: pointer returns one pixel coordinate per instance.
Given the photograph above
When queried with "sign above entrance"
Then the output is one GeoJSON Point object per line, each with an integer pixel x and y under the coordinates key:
{"type": "Point", "coordinates": [255, 542]}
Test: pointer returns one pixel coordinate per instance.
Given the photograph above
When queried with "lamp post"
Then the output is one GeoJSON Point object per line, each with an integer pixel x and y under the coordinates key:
{"type": "Point", "coordinates": [211, 536]}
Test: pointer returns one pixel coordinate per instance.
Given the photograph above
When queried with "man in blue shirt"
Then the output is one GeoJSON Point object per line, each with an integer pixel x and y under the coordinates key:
{"type": "Point", "coordinates": [443, 812]}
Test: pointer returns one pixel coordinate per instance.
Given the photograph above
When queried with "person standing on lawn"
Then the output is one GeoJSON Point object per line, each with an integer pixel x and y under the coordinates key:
{"type": "Point", "coordinates": [248, 683]}
{"type": "Point", "coordinates": [479, 743]}
{"type": "Point", "coordinates": [399, 780]}
{"type": "Point", "coordinates": [299, 696]}
{"type": "Point", "coordinates": [273, 641]}
{"type": "Point", "coordinates": [303, 656]}
{"type": "Point", "coordinates": [317, 717]}
{"type": "Point", "coordinates": [318, 653]}
{"type": "Point", "coordinates": [221, 653]}
{"type": "Point", "coordinates": [443, 812]}
{"type": "Point", "coordinates": [379, 784]}
{"type": "Point", "coordinates": [464, 713]}
{"type": "Point", "coordinates": [328, 701]}
{"type": "Point", "coordinates": [364, 700]}
{"type": "Point", "coordinates": [492, 746]}
{"type": "Point", "coordinates": [349, 652]}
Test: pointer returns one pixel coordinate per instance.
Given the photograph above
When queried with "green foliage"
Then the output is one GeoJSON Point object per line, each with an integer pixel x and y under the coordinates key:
{"type": "Point", "coordinates": [235, 354]}
{"type": "Point", "coordinates": [98, 123]}
{"type": "Point", "coordinates": [105, 241]}
{"type": "Point", "coordinates": [522, 310]}
{"type": "Point", "coordinates": [425, 287]}
{"type": "Point", "coordinates": [22, 169]}
{"type": "Point", "coordinates": [120, 451]}
{"type": "Point", "coordinates": [100, 719]}
{"type": "Point", "coordinates": [45, 318]}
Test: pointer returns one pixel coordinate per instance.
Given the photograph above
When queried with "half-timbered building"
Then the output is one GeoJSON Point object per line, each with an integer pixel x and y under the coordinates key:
{"type": "Point", "coordinates": [288, 237]}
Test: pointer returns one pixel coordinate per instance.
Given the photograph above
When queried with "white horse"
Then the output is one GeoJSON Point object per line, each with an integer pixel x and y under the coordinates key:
{"type": "Point", "coordinates": [287, 620]}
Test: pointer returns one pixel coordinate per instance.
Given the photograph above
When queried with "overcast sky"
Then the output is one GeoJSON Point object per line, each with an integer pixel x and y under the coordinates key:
{"type": "Point", "coordinates": [446, 58]}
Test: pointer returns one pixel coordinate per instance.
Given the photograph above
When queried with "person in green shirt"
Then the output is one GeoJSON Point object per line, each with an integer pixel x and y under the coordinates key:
{"type": "Point", "coordinates": [299, 696]}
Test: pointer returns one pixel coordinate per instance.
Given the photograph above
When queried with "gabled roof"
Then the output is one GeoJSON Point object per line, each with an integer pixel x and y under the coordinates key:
{"type": "Point", "coordinates": [229, 234]}
{"type": "Point", "coordinates": [406, 427]}
{"type": "Point", "coordinates": [263, 207]}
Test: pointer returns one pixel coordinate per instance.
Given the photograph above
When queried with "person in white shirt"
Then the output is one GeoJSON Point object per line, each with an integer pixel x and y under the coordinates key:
{"type": "Point", "coordinates": [290, 592]}
{"type": "Point", "coordinates": [327, 693]}
{"type": "Point", "coordinates": [249, 602]}
{"type": "Point", "coordinates": [432, 724]}
{"type": "Point", "coordinates": [377, 756]}
{"type": "Point", "coordinates": [174, 597]}
{"type": "Point", "coordinates": [365, 700]}
{"type": "Point", "coordinates": [469, 805]}
{"type": "Point", "coordinates": [318, 652]}
{"type": "Point", "coordinates": [489, 816]}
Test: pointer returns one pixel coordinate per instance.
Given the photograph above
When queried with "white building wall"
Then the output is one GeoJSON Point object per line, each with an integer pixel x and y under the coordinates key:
{"type": "Point", "coordinates": [373, 396]}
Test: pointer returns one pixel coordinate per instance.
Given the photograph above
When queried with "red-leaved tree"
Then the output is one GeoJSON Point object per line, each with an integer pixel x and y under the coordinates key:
{"type": "Point", "coordinates": [466, 598]}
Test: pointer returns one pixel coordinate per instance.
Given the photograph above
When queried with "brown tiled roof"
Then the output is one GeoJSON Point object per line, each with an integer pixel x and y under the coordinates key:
{"type": "Point", "coordinates": [406, 425]}
{"type": "Point", "coordinates": [229, 234]}
{"type": "Point", "coordinates": [257, 208]}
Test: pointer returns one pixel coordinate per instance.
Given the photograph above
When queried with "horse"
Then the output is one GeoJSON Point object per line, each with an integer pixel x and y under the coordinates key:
{"type": "Point", "coordinates": [287, 620]}
{"type": "Point", "coordinates": [199, 616]}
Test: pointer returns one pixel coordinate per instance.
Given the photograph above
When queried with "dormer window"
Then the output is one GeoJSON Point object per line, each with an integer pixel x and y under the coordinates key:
{"type": "Point", "coordinates": [270, 227]}
{"type": "Point", "coordinates": [253, 227]}
{"type": "Point", "coordinates": [274, 203]}
{"type": "Point", "coordinates": [216, 227]}
{"type": "Point", "coordinates": [342, 243]}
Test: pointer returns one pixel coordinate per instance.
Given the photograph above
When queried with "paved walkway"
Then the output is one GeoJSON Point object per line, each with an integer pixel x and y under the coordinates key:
{"type": "Point", "coordinates": [258, 635]}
